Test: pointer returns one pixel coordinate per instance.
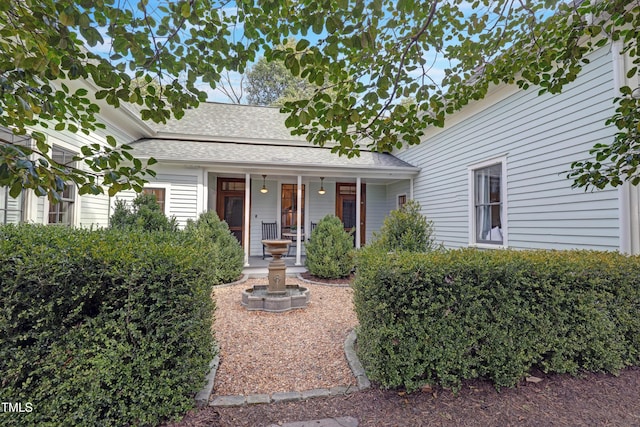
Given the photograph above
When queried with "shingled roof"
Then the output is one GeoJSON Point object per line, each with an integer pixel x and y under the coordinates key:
{"type": "Point", "coordinates": [251, 136]}
{"type": "Point", "coordinates": [232, 122]}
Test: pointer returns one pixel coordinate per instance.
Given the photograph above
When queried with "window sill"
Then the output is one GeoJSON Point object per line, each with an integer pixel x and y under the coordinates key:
{"type": "Point", "coordinates": [487, 246]}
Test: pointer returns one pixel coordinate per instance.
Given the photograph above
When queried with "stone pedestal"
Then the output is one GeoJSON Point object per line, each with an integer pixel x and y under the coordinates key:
{"type": "Point", "coordinates": [277, 267]}
{"type": "Point", "coordinates": [276, 297]}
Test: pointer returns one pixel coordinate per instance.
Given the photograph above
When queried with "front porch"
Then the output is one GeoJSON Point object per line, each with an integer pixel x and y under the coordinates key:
{"type": "Point", "coordinates": [258, 267]}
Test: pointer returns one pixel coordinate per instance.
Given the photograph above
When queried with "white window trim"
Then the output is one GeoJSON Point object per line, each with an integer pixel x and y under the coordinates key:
{"type": "Point", "coordinates": [76, 212]}
{"type": "Point", "coordinates": [503, 197]}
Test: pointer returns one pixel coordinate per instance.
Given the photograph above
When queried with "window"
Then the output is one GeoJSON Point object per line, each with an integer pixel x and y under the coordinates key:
{"type": "Point", "coordinates": [62, 212]}
{"type": "Point", "coordinates": [402, 200]}
{"type": "Point", "coordinates": [290, 206]}
{"type": "Point", "coordinates": [160, 196]}
{"type": "Point", "coordinates": [11, 210]}
{"type": "Point", "coordinates": [488, 207]}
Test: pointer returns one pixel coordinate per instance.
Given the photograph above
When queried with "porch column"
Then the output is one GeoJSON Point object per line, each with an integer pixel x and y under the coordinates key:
{"type": "Point", "coordinates": [245, 227]}
{"type": "Point", "coordinates": [410, 188]}
{"type": "Point", "coordinates": [358, 210]}
{"type": "Point", "coordinates": [298, 219]}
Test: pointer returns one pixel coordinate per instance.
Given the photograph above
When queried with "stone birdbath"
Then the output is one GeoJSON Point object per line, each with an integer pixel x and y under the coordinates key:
{"type": "Point", "coordinates": [277, 296]}
{"type": "Point", "coordinates": [277, 268]}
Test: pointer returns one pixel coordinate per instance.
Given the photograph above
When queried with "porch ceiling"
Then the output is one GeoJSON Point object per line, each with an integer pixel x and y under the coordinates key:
{"type": "Point", "coordinates": [271, 159]}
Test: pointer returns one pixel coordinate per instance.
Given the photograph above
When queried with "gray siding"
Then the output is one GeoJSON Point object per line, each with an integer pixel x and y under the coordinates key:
{"type": "Point", "coordinates": [540, 137]}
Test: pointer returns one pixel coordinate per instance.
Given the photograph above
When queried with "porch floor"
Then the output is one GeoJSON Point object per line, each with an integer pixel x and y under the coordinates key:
{"type": "Point", "coordinates": [258, 266]}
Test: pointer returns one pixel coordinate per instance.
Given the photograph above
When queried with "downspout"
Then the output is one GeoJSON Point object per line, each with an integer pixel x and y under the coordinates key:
{"type": "Point", "coordinates": [246, 230]}
{"type": "Point", "coordinates": [624, 205]}
{"type": "Point", "coordinates": [358, 210]}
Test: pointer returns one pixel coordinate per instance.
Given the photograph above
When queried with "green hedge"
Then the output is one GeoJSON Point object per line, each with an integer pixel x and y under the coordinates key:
{"type": "Point", "coordinates": [444, 317]}
{"type": "Point", "coordinates": [102, 327]}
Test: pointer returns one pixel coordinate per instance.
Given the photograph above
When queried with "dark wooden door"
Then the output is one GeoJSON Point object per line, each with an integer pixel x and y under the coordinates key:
{"type": "Point", "coordinates": [346, 208]}
{"type": "Point", "coordinates": [230, 205]}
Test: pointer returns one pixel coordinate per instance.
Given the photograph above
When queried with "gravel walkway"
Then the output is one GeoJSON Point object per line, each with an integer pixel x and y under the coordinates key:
{"type": "Point", "coordinates": [278, 352]}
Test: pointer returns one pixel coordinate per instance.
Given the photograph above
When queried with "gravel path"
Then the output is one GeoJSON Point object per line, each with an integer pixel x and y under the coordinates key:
{"type": "Point", "coordinates": [278, 352]}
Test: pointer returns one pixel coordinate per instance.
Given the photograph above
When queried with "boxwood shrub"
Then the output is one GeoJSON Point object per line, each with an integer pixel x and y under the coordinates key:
{"type": "Point", "coordinates": [102, 327]}
{"type": "Point", "coordinates": [220, 248]}
{"type": "Point", "coordinates": [330, 252]}
{"type": "Point", "coordinates": [444, 317]}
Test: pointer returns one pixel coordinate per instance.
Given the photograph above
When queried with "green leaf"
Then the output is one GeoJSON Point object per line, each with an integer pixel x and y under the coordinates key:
{"type": "Point", "coordinates": [67, 20]}
{"type": "Point", "coordinates": [185, 10]}
{"type": "Point", "coordinates": [111, 141]}
{"type": "Point", "coordinates": [16, 189]}
{"type": "Point", "coordinates": [302, 45]}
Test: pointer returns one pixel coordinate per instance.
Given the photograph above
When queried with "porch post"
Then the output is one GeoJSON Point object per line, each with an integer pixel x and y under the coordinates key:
{"type": "Point", "coordinates": [358, 210]}
{"type": "Point", "coordinates": [298, 219]}
{"type": "Point", "coordinates": [410, 188]}
{"type": "Point", "coordinates": [245, 228]}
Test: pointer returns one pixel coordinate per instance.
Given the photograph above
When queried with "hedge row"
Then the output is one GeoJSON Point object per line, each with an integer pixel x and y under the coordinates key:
{"type": "Point", "coordinates": [444, 317]}
{"type": "Point", "coordinates": [102, 327]}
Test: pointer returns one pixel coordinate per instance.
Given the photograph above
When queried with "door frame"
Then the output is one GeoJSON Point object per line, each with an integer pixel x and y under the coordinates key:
{"type": "Point", "coordinates": [363, 204]}
{"type": "Point", "coordinates": [220, 195]}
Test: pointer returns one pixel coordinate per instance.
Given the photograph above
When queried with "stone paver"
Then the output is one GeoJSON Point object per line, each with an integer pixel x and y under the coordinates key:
{"type": "Point", "coordinates": [320, 392]}
{"type": "Point", "coordinates": [288, 396]}
{"type": "Point", "coordinates": [326, 422]}
{"type": "Point", "coordinates": [228, 401]}
{"type": "Point", "coordinates": [255, 399]}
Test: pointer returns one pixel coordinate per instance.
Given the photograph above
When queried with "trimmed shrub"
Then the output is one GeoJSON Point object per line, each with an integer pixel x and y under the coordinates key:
{"type": "Point", "coordinates": [445, 317]}
{"type": "Point", "coordinates": [406, 229]}
{"type": "Point", "coordinates": [102, 327]}
{"type": "Point", "coordinates": [144, 214]}
{"type": "Point", "coordinates": [224, 252]}
{"type": "Point", "coordinates": [330, 249]}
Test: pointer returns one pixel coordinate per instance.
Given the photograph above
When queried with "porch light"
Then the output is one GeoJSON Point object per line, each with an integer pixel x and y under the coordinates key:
{"type": "Point", "coordinates": [264, 188]}
{"type": "Point", "coordinates": [321, 190]}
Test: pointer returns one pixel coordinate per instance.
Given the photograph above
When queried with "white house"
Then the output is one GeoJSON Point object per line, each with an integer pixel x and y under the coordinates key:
{"type": "Point", "coordinates": [494, 177]}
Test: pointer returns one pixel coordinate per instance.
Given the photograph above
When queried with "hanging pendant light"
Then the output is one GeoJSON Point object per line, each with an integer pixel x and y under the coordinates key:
{"type": "Point", "coordinates": [264, 188]}
{"type": "Point", "coordinates": [321, 190]}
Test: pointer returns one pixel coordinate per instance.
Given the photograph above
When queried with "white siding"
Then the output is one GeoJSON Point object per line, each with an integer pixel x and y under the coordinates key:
{"type": "Point", "coordinates": [91, 210]}
{"type": "Point", "coordinates": [181, 192]}
{"type": "Point", "coordinates": [321, 205]}
{"type": "Point", "coordinates": [264, 208]}
{"type": "Point", "coordinates": [182, 195]}
{"type": "Point", "coordinates": [394, 190]}
{"type": "Point", "coordinates": [540, 137]}
{"type": "Point", "coordinates": [95, 211]}
{"type": "Point", "coordinates": [377, 209]}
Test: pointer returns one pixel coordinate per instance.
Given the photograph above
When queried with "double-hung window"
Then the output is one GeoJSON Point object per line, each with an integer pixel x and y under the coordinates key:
{"type": "Point", "coordinates": [289, 203]}
{"type": "Point", "coordinates": [62, 212]}
{"type": "Point", "coordinates": [487, 203]}
{"type": "Point", "coordinates": [11, 209]}
{"type": "Point", "coordinates": [160, 195]}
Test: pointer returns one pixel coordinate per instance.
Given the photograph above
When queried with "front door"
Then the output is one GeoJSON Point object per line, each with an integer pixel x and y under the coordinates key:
{"type": "Point", "coordinates": [346, 208]}
{"type": "Point", "coordinates": [230, 204]}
